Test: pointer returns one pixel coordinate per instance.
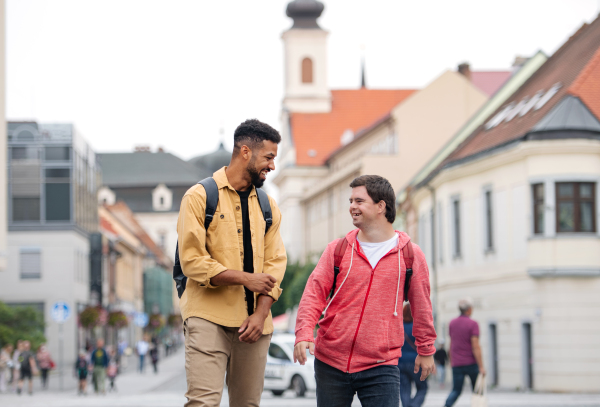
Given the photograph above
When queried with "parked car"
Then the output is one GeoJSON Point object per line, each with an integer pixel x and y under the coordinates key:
{"type": "Point", "coordinates": [281, 373]}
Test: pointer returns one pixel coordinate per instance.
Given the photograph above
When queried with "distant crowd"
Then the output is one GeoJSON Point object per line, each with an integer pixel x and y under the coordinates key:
{"type": "Point", "coordinates": [20, 364]}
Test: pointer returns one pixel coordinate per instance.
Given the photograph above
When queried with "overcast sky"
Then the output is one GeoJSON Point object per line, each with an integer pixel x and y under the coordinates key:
{"type": "Point", "coordinates": [171, 73]}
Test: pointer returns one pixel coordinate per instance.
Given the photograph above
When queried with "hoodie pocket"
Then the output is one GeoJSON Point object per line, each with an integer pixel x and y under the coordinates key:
{"type": "Point", "coordinates": [395, 334]}
{"type": "Point", "coordinates": [372, 343]}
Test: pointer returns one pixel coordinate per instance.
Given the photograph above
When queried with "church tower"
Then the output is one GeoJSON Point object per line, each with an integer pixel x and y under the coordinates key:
{"type": "Point", "coordinates": [306, 89]}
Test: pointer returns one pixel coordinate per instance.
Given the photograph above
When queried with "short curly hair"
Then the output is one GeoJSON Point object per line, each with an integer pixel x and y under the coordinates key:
{"type": "Point", "coordinates": [252, 133]}
{"type": "Point", "coordinates": [379, 189]}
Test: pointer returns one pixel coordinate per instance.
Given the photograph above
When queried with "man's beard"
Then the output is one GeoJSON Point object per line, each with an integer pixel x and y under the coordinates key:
{"type": "Point", "coordinates": [255, 178]}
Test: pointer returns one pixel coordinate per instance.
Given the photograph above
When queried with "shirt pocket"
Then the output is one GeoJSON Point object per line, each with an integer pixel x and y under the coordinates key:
{"type": "Point", "coordinates": [222, 232]}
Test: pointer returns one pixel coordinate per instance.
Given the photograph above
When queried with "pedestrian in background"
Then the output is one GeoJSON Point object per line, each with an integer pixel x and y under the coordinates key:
{"type": "Point", "coordinates": [16, 369]}
{"type": "Point", "coordinates": [154, 354]}
{"type": "Point", "coordinates": [5, 367]}
{"type": "Point", "coordinates": [45, 364]}
{"type": "Point", "coordinates": [81, 371]}
{"type": "Point", "coordinates": [406, 364]}
{"type": "Point", "coordinates": [27, 367]}
{"type": "Point", "coordinates": [441, 357]}
{"type": "Point", "coordinates": [142, 349]}
{"type": "Point", "coordinates": [351, 358]}
{"type": "Point", "coordinates": [465, 352]}
{"type": "Point", "coordinates": [99, 360]}
{"type": "Point", "coordinates": [113, 369]}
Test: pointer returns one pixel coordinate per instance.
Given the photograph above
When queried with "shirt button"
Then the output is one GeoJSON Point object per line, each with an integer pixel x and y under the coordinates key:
{"type": "Point", "coordinates": [239, 230]}
{"type": "Point", "coordinates": [222, 216]}
{"type": "Point", "coordinates": [237, 207]}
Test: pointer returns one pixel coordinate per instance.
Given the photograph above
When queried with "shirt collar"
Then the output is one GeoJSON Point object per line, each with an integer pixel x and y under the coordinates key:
{"type": "Point", "coordinates": [222, 181]}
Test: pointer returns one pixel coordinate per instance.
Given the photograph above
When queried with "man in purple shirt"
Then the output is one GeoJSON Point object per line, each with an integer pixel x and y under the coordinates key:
{"type": "Point", "coordinates": [465, 352]}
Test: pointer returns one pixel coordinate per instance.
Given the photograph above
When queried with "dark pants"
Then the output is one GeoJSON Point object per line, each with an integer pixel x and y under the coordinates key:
{"type": "Point", "coordinates": [376, 387]}
{"type": "Point", "coordinates": [458, 379]}
{"type": "Point", "coordinates": [44, 373]}
{"type": "Point", "coordinates": [407, 377]}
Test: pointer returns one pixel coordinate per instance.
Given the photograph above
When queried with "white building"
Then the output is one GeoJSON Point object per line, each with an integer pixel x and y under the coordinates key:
{"type": "Point", "coordinates": [53, 178]}
{"type": "Point", "coordinates": [3, 186]}
{"type": "Point", "coordinates": [509, 217]}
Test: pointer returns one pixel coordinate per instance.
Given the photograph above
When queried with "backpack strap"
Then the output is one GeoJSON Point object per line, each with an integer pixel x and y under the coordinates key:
{"type": "Point", "coordinates": [212, 200]}
{"type": "Point", "coordinates": [409, 256]}
{"type": "Point", "coordinates": [265, 207]}
{"type": "Point", "coordinates": [338, 256]}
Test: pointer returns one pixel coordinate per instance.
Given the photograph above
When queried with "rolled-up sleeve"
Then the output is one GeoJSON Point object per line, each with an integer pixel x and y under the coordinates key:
{"type": "Point", "coordinates": [275, 256]}
{"type": "Point", "coordinates": [196, 263]}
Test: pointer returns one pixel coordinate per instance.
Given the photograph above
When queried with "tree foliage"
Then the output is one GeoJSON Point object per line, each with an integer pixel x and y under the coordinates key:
{"type": "Point", "coordinates": [293, 284]}
{"type": "Point", "coordinates": [26, 323]}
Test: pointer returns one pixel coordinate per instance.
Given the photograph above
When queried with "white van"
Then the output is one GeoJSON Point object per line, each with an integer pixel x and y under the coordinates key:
{"type": "Point", "coordinates": [282, 373]}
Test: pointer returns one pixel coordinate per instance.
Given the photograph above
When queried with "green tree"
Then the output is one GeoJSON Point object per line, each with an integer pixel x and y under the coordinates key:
{"type": "Point", "coordinates": [26, 323]}
{"type": "Point", "coordinates": [293, 284]}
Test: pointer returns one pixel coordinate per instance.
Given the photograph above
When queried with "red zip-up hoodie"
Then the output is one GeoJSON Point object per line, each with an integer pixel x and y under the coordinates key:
{"type": "Point", "coordinates": [362, 327]}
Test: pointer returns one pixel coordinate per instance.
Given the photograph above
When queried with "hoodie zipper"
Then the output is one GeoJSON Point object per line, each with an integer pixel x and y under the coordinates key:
{"type": "Point", "coordinates": [364, 303]}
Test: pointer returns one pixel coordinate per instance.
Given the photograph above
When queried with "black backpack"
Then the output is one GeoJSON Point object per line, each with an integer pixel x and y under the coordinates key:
{"type": "Point", "coordinates": [212, 199]}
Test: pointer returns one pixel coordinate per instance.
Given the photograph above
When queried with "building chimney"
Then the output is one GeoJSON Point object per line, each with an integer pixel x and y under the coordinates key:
{"type": "Point", "coordinates": [518, 64]}
{"type": "Point", "coordinates": [465, 69]}
{"type": "Point", "coordinates": [142, 149]}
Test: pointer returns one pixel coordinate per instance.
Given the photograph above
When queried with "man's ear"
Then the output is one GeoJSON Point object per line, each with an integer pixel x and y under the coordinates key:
{"type": "Point", "coordinates": [381, 206]}
{"type": "Point", "coordinates": [245, 152]}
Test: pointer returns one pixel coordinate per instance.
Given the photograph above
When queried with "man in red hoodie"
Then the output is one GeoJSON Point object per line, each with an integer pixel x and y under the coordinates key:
{"type": "Point", "coordinates": [361, 334]}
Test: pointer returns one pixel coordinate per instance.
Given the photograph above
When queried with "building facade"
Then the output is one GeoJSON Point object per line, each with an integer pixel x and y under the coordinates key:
{"type": "Point", "coordinates": [509, 217]}
{"type": "Point", "coordinates": [53, 177]}
{"type": "Point", "coordinates": [3, 150]}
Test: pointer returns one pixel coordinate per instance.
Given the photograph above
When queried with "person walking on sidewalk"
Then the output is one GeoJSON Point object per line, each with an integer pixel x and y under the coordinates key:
{"type": "Point", "coordinates": [45, 363]}
{"type": "Point", "coordinates": [465, 352]}
{"type": "Point", "coordinates": [441, 357]}
{"type": "Point", "coordinates": [406, 364]}
{"type": "Point", "coordinates": [5, 366]}
{"type": "Point", "coordinates": [27, 367]}
{"type": "Point", "coordinates": [154, 354]}
{"type": "Point", "coordinates": [361, 334]}
{"type": "Point", "coordinates": [234, 270]}
{"type": "Point", "coordinates": [142, 350]}
{"type": "Point", "coordinates": [16, 369]}
{"type": "Point", "coordinates": [99, 360]}
{"type": "Point", "coordinates": [81, 372]}
{"type": "Point", "coordinates": [113, 369]}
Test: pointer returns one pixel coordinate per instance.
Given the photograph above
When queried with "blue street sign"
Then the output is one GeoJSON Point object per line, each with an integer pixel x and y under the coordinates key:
{"type": "Point", "coordinates": [141, 319]}
{"type": "Point", "coordinates": [60, 311]}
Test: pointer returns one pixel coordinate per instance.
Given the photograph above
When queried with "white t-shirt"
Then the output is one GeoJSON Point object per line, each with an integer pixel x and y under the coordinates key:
{"type": "Point", "coordinates": [375, 251]}
{"type": "Point", "coordinates": [142, 347]}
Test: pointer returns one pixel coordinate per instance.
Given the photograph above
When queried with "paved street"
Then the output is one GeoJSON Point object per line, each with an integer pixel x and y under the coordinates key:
{"type": "Point", "coordinates": [166, 389]}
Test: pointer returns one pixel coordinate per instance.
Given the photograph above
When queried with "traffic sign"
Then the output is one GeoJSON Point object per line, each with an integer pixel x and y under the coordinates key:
{"type": "Point", "coordinates": [141, 319]}
{"type": "Point", "coordinates": [60, 311]}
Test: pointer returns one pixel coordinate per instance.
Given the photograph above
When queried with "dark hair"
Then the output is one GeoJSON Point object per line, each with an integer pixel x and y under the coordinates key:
{"type": "Point", "coordinates": [407, 314]}
{"type": "Point", "coordinates": [379, 189]}
{"type": "Point", "coordinates": [252, 133]}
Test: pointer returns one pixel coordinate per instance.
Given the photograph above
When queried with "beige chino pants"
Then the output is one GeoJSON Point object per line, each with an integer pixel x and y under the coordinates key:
{"type": "Point", "coordinates": [211, 351]}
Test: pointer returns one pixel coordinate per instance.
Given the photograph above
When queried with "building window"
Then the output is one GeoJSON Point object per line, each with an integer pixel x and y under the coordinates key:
{"type": "Point", "coordinates": [30, 263]}
{"type": "Point", "coordinates": [307, 70]}
{"type": "Point", "coordinates": [26, 209]}
{"type": "Point", "coordinates": [575, 207]}
{"type": "Point", "coordinates": [57, 154]}
{"type": "Point", "coordinates": [489, 224]}
{"type": "Point", "coordinates": [538, 208]}
{"type": "Point", "coordinates": [456, 227]}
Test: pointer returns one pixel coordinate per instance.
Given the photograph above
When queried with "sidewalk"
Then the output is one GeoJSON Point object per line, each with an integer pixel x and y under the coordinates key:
{"type": "Point", "coordinates": [130, 385]}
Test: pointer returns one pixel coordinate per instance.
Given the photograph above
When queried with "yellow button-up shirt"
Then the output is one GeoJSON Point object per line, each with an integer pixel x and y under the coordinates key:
{"type": "Point", "coordinates": [204, 254]}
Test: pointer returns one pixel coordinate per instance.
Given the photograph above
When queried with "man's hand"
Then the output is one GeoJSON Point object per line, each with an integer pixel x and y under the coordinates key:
{"type": "Point", "coordinates": [261, 283]}
{"type": "Point", "coordinates": [252, 328]}
{"type": "Point", "coordinates": [300, 351]}
{"type": "Point", "coordinates": [482, 371]}
{"type": "Point", "coordinates": [426, 364]}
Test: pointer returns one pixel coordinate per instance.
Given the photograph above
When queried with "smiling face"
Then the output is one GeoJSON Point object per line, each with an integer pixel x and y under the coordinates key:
{"type": "Point", "coordinates": [363, 210]}
{"type": "Point", "coordinates": [262, 162]}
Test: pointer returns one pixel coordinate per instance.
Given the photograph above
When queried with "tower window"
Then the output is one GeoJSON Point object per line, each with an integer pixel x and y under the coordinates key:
{"type": "Point", "coordinates": [307, 70]}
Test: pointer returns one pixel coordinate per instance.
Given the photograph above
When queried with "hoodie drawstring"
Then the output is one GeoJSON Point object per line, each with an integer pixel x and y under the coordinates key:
{"type": "Point", "coordinates": [398, 287]}
{"type": "Point", "coordinates": [347, 274]}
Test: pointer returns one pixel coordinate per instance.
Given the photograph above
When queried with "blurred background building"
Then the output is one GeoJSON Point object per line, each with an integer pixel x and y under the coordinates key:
{"type": "Point", "coordinates": [53, 176]}
{"type": "Point", "coordinates": [507, 214]}
{"type": "Point", "coordinates": [3, 168]}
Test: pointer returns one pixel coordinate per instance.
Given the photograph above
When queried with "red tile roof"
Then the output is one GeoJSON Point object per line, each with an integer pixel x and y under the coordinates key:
{"type": "Point", "coordinates": [575, 66]}
{"type": "Point", "coordinates": [587, 85]}
{"type": "Point", "coordinates": [489, 81]}
{"type": "Point", "coordinates": [350, 109]}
